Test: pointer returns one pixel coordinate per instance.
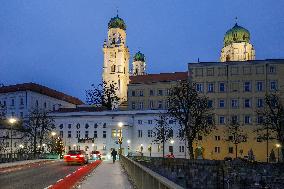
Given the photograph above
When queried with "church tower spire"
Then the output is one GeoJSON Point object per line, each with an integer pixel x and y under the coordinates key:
{"type": "Point", "coordinates": [116, 57]}
{"type": "Point", "coordinates": [139, 64]}
{"type": "Point", "coordinates": [237, 46]}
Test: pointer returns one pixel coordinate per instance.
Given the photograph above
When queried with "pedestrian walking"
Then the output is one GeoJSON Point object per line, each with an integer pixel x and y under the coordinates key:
{"type": "Point", "coordinates": [113, 154]}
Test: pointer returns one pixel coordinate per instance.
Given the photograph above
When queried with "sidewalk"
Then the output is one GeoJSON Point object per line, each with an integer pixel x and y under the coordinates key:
{"type": "Point", "coordinates": [20, 163]}
{"type": "Point", "coordinates": [107, 176]}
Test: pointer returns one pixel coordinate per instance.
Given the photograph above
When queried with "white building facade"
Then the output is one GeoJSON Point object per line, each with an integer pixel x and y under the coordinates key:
{"type": "Point", "coordinates": [100, 131]}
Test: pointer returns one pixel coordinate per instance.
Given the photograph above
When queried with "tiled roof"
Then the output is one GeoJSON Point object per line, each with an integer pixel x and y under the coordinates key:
{"type": "Point", "coordinates": [42, 90]}
{"type": "Point", "coordinates": [151, 78]}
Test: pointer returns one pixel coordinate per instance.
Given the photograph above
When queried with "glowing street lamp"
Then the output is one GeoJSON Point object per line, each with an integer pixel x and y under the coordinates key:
{"type": "Point", "coordinates": [172, 141]}
{"type": "Point", "coordinates": [128, 141]}
{"type": "Point", "coordinates": [278, 151]}
{"type": "Point", "coordinates": [12, 121]}
{"type": "Point", "coordinates": [120, 124]}
{"type": "Point", "coordinates": [53, 133]}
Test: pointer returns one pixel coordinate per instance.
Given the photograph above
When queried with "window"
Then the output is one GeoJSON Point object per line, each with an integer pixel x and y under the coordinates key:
{"type": "Point", "coordinates": [69, 134]}
{"type": "Point", "coordinates": [86, 134]}
{"type": "Point", "coordinates": [247, 103]}
{"type": "Point", "coordinates": [133, 105]}
{"type": "Point", "coordinates": [78, 126]}
{"type": "Point", "coordinates": [259, 69]}
{"type": "Point", "coordinates": [21, 101]}
{"type": "Point", "coordinates": [199, 87]}
{"type": "Point", "coordinates": [231, 150]}
{"type": "Point", "coordinates": [235, 86]}
{"type": "Point", "coordinates": [231, 138]}
{"type": "Point", "coordinates": [78, 134]}
{"type": "Point", "coordinates": [113, 68]}
{"type": "Point", "coordinates": [160, 92]}
{"type": "Point", "coordinates": [36, 103]}
{"type": "Point", "coordinates": [168, 92]}
{"type": "Point", "coordinates": [133, 93]}
{"type": "Point", "coordinates": [44, 105]}
{"type": "Point", "coordinates": [69, 126]}
{"type": "Point", "coordinates": [22, 115]}
{"type": "Point", "coordinates": [221, 103]}
{"type": "Point", "coordinates": [160, 104]}
{"type": "Point", "coordinates": [210, 71]}
{"type": "Point", "coordinates": [272, 69]}
{"type": "Point", "coordinates": [151, 104]}
{"type": "Point", "coordinates": [141, 105]}
{"type": "Point", "coordinates": [104, 125]}
{"type": "Point", "coordinates": [235, 103]}
{"type": "Point", "coordinates": [221, 120]}
{"type": "Point", "coordinates": [247, 70]}
{"type": "Point", "coordinates": [86, 126]}
{"type": "Point", "coordinates": [247, 86]}
{"type": "Point", "coordinates": [199, 137]}
{"type": "Point", "coordinates": [217, 138]}
{"type": "Point", "coordinates": [210, 103]}
{"type": "Point", "coordinates": [150, 122]}
{"type": "Point", "coordinates": [217, 149]}
{"type": "Point", "coordinates": [104, 147]}
{"type": "Point", "coordinates": [181, 148]}
{"type": "Point", "coordinates": [104, 134]}
{"type": "Point", "coordinates": [150, 133]}
{"type": "Point", "coordinates": [199, 72]}
{"type": "Point", "coordinates": [247, 119]}
{"type": "Point", "coordinates": [259, 103]}
{"type": "Point", "coordinates": [95, 134]}
{"type": "Point", "coordinates": [12, 102]}
{"type": "Point", "coordinates": [141, 93]}
{"type": "Point", "coordinates": [61, 126]}
{"type": "Point", "coordinates": [95, 125]}
{"type": "Point", "coordinates": [140, 133]}
{"type": "Point", "coordinates": [61, 134]}
{"type": "Point", "coordinates": [171, 149]}
{"type": "Point", "coordinates": [273, 85]}
{"type": "Point", "coordinates": [234, 71]}
{"type": "Point", "coordinates": [210, 88]}
{"type": "Point", "coordinates": [234, 118]}
{"type": "Point", "coordinates": [172, 121]}
{"type": "Point", "coordinates": [259, 85]}
{"type": "Point", "coordinates": [140, 122]}
{"type": "Point", "coordinates": [221, 87]}
{"type": "Point", "coordinates": [259, 120]}
{"type": "Point", "coordinates": [151, 92]}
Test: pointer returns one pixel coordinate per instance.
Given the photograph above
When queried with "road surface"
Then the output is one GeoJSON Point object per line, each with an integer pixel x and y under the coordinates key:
{"type": "Point", "coordinates": [38, 177]}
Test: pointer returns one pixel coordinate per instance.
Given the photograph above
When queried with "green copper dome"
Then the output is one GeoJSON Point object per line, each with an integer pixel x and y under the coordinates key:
{"type": "Point", "coordinates": [139, 57]}
{"type": "Point", "coordinates": [116, 22]}
{"type": "Point", "coordinates": [236, 35]}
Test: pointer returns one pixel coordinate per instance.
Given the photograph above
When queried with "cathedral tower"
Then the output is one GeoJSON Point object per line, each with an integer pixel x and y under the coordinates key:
{"type": "Point", "coordinates": [237, 46]}
{"type": "Point", "coordinates": [116, 57]}
{"type": "Point", "coordinates": [139, 64]}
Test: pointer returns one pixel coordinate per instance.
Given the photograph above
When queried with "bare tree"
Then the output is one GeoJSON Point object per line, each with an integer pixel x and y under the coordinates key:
{"type": "Point", "coordinates": [37, 128]}
{"type": "Point", "coordinates": [192, 112]}
{"type": "Point", "coordinates": [236, 135]}
{"type": "Point", "coordinates": [272, 120]}
{"type": "Point", "coordinates": [105, 95]}
{"type": "Point", "coordinates": [162, 132]}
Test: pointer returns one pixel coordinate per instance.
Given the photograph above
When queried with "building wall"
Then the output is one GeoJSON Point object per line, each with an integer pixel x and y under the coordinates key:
{"type": "Point", "coordinates": [136, 125]}
{"type": "Point", "coordinates": [149, 95]}
{"type": "Point", "coordinates": [240, 85]}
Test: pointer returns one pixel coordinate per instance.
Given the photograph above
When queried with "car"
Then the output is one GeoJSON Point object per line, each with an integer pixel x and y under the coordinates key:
{"type": "Point", "coordinates": [170, 156]}
{"type": "Point", "coordinates": [76, 157]}
{"type": "Point", "coordinates": [96, 155]}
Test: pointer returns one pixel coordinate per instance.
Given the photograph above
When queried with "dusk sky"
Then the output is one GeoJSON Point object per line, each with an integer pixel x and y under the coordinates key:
{"type": "Point", "coordinates": [58, 43]}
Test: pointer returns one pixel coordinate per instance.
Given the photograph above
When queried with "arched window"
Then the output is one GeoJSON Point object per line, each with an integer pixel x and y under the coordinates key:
{"type": "Point", "coordinates": [227, 58]}
{"type": "Point", "coordinates": [112, 69]}
{"type": "Point", "coordinates": [78, 126]}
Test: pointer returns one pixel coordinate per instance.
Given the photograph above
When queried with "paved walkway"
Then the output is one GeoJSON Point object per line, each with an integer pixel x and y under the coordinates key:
{"type": "Point", "coordinates": [107, 176]}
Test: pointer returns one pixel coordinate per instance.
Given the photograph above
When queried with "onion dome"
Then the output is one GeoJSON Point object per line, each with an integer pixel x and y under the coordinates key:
{"type": "Point", "coordinates": [116, 22]}
{"type": "Point", "coordinates": [236, 34]}
{"type": "Point", "coordinates": [139, 57]}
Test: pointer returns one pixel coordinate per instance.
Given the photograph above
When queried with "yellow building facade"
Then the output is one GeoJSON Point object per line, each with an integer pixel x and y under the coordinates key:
{"type": "Point", "coordinates": [237, 90]}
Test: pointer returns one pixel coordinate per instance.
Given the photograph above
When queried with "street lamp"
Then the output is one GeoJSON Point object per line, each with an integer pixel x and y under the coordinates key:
{"type": "Point", "coordinates": [11, 121]}
{"type": "Point", "coordinates": [120, 125]}
{"type": "Point", "coordinates": [53, 133]}
{"type": "Point", "coordinates": [278, 148]}
{"type": "Point", "coordinates": [172, 141]}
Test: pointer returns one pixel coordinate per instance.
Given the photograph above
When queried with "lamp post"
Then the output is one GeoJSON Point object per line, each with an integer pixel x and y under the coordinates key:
{"type": "Point", "coordinates": [120, 125]}
{"type": "Point", "coordinates": [278, 151]}
{"type": "Point", "coordinates": [52, 141]}
{"type": "Point", "coordinates": [128, 147]}
{"type": "Point", "coordinates": [11, 121]}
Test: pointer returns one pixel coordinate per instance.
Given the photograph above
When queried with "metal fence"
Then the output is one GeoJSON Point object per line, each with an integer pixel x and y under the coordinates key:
{"type": "Point", "coordinates": [4, 158]}
{"type": "Point", "coordinates": [144, 178]}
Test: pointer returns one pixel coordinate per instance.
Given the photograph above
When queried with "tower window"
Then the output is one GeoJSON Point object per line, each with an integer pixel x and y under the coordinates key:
{"type": "Point", "coordinates": [112, 68]}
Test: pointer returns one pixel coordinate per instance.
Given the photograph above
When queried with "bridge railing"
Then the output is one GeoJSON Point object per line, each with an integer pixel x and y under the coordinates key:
{"type": "Point", "coordinates": [144, 178]}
